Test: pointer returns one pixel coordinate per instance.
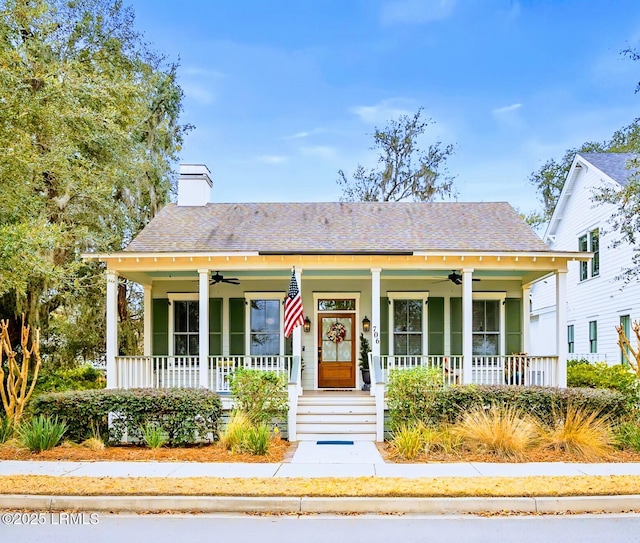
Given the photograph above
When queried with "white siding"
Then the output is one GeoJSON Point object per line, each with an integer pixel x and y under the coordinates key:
{"type": "Point", "coordinates": [603, 298]}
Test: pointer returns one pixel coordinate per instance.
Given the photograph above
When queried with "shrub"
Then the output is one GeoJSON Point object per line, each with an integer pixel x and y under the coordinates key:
{"type": "Point", "coordinates": [257, 440]}
{"type": "Point", "coordinates": [234, 434]}
{"type": "Point", "coordinates": [84, 377]}
{"type": "Point", "coordinates": [262, 395]}
{"type": "Point", "coordinates": [410, 393]}
{"type": "Point", "coordinates": [186, 415]}
{"type": "Point", "coordinates": [448, 404]}
{"type": "Point", "coordinates": [581, 432]}
{"type": "Point", "coordinates": [6, 429]}
{"type": "Point", "coordinates": [505, 431]}
{"type": "Point", "coordinates": [93, 443]}
{"type": "Point", "coordinates": [601, 375]}
{"type": "Point", "coordinates": [41, 433]}
{"type": "Point", "coordinates": [408, 440]}
{"type": "Point", "coordinates": [154, 436]}
{"type": "Point", "coordinates": [627, 435]}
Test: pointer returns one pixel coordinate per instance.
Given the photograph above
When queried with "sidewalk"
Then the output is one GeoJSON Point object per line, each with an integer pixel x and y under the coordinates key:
{"type": "Point", "coordinates": [312, 460]}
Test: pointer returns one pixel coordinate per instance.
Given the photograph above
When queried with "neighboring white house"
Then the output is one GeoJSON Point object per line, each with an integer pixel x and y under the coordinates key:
{"type": "Point", "coordinates": [597, 301]}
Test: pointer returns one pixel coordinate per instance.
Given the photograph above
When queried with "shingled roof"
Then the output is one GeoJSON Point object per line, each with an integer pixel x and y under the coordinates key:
{"type": "Point", "coordinates": [345, 227]}
{"type": "Point", "coordinates": [615, 165]}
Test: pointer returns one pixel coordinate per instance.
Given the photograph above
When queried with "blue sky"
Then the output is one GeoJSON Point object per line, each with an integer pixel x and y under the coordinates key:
{"type": "Point", "coordinates": [284, 93]}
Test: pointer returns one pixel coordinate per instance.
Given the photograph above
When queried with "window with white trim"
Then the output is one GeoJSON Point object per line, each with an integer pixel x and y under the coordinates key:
{"type": "Point", "coordinates": [486, 327]}
{"type": "Point", "coordinates": [590, 242]}
{"type": "Point", "coordinates": [571, 341]}
{"type": "Point", "coordinates": [593, 336]}
{"type": "Point", "coordinates": [408, 323]}
{"type": "Point", "coordinates": [265, 324]}
{"type": "Point", "coordinates": [185, 327]}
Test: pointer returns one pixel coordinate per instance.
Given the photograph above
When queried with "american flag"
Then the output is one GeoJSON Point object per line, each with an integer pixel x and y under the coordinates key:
{"type": "Point", "coordinates": [293, 314]}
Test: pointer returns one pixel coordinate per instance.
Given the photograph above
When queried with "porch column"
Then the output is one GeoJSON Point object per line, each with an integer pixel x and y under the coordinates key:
{"type": "Point", "coordinates": [112, 328]}
{"type": "Point", "coordinates": [203, 327]}
{"type": "Point", "coordinates": [147, 332]}
{"type": "Point", "coordinates": [526, 319]}
{"type": "Point", "coordinates": [375, 313]}
{"type": "Point", "coordinates": [561, 326]}
{"type": "Point", "coordinates": [467, 326]}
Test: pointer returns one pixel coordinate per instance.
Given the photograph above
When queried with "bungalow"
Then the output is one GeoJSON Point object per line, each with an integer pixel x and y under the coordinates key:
{"type": "Point", "coordinates": [443, 285]}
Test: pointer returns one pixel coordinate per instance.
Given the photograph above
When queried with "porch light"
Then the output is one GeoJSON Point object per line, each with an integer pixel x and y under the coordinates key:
{"type": "Point", "coordinates": [366, 324]}
{"type": "Point", "coordinates": [307, 324]}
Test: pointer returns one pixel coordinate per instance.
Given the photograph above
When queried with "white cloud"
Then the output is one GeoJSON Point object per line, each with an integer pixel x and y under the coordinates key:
{"type": "Point", "coordinates": [273, 159]}
{"type": "Point", "coordinates": [202, 72]}
{"type": "Point", "coordinates": [382, 112]}
{"type": "Point", "coordinates": [197, 92]}
{"type": "Point", "coordinates": [506, 109]}
{"type": "Point", "coordinates": [416, 11]}
{"type": "Point", "coordinates": [297, 136]}
{"type": "Point", "coordinates": [321, 151]}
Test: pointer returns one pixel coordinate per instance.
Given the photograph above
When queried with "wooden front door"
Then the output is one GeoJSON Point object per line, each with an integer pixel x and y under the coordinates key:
{"type": "Point", "coordinates": [336, 350]}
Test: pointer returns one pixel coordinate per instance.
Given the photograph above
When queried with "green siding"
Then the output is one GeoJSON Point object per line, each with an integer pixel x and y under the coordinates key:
{"type": "Point", "coordinates": [456, 326]}
{"type": "Point", "coordinates": [435, 311]}
{"type": "Point", "coordinates": [160, 327]}
{"type": "Point", "coordinates": [384, 325]}
{"type": "Point", "coordinates": [513, 318]}
{"type": "Point", "coordinates": [236, 326]}
{"type": "Point", "coordinates": [215, 326]}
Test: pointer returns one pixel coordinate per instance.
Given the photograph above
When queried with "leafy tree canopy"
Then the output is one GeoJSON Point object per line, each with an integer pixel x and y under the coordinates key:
{"type": "Point", "coordinates": [88, 131]}
{"type": "Point", "coordinates": [404, 171]}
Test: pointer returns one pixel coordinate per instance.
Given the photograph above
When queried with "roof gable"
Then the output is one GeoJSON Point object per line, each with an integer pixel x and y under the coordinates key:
{"type": "Point", "coordinates": [342, 227]}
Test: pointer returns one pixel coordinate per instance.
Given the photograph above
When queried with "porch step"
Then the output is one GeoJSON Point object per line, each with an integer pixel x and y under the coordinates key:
{"type": "Point", "coordinates": [336, 417]}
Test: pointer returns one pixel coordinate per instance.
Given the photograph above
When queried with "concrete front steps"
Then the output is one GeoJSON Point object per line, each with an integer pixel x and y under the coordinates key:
{"type": "Point", "coordinates": [336, 416]}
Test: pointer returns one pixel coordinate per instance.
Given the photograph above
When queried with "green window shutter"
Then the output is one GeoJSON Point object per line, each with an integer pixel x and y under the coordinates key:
{"type": "Point", "coordinates": [160, 326]}
{"type": "Point", "coordinates": [384, 325]}
{"type": "Point", "coordinates": [435, 310]}
{"type": "Point", "coordinates": [456, 326]}
{"type": "Point", "coordinates": [513, 318]}
{"type": "Point", "coordinates": [236, 325]}
{"type": "Point", "coordinates": [215, 326]}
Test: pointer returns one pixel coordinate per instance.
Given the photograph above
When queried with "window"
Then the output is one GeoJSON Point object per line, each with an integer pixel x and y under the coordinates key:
{"type": "Point", "coordinates": [486, 327]}
{"type": "Point", "coordinates": [594, 240]}
{"type": "Point", "coordinates": [185, 327]}
{"type": "Point", "coordinates": [571, 339]}
{"type": "Point", "coordinates": [264, 322]}
{"type": "Point", "coordinates": [590, 243]}
{"type": "Point", "coordinates": [407, 327]}
{"type": "Point", "coordinates": [625, 324]}
{"type": "Point", "coordinates": [593, 336]}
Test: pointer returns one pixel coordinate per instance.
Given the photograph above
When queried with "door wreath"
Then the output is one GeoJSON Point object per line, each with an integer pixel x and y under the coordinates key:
{"type": "Point", "coordinates": [337, 332]}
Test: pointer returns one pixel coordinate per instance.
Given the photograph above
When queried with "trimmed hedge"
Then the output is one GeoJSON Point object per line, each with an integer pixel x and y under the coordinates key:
{"type": "Point", "coordinates": [186, 415]}
{"type": "Point", "coordinates": [600, 375]}
{"type": "Point", "coordinates": [449, 403]}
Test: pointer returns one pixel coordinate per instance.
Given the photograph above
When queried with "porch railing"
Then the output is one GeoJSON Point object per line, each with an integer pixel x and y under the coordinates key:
{"type": "Point", "coordinates": [486, 370]}
{"type": "Point", "coordinates": [592, 358]}
{"type": "Point", "coordinates": [184, 371]}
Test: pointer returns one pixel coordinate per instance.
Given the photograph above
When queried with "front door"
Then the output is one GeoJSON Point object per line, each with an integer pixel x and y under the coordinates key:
{"type": "Point", "coordinates": [336, 350]}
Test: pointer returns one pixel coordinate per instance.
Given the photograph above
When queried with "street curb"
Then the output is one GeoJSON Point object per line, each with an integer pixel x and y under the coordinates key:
{"type": "Point", "coordinates": [239, 504]}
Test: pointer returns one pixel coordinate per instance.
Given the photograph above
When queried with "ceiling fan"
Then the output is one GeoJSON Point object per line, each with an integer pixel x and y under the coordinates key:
{"type": "Point", "coordinates": [219, 278]}
{"type": "Point", "coordinates": [456, 278]}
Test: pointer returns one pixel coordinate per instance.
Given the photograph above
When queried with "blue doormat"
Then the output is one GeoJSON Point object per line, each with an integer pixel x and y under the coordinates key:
{"type": "Point", "coordinates": [334, 442]}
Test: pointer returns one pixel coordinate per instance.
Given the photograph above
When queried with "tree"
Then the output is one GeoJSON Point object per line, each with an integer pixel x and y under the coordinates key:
{"type": "Point", "coordinates": [88, 131]}
{"type": "Point", "coordinates": [404, 172]}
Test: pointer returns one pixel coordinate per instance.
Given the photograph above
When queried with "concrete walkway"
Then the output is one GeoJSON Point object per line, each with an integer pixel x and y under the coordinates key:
{"type": "Point", "coordinates": [310, 460]}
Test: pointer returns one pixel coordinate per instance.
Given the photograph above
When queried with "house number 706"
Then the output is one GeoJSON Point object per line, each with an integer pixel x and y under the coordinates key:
{"type": "Point", "coordinates": [376, 335]}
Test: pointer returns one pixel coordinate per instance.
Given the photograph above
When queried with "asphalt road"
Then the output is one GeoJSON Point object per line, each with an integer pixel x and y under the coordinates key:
{"type": "Point", "coordinates": [98, 528]}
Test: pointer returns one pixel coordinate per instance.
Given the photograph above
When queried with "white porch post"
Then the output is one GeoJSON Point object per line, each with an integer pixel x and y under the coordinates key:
{"type": "Point", "coordinates": [147, 333]}
{"type": "Point", "coordinates": [203, 327]}
{"type": "Point", "coordinates": [375, 312]}
{"type": "Point", "coordinates": [467, 326]}
{"type": "Point", "coordinates": [561, 327]}
{"type": "Point", "coordinates": [526, 319]}
{"type": "Point", "coordinates": [294, 389]}
{"type": "Point", "coordinates": [112, 328]}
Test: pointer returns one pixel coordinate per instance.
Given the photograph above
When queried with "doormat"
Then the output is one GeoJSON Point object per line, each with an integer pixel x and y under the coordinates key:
{"type": "Point", "coordinates": [330, 442]}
